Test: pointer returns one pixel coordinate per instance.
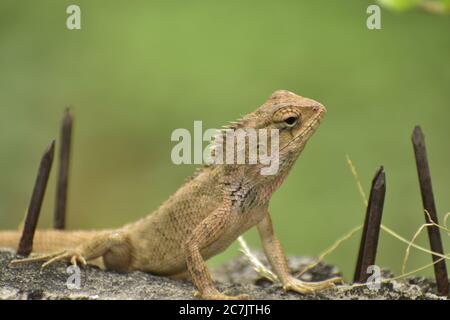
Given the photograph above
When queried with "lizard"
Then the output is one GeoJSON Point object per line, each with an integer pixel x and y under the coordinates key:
{"type": "Point", "coordinates": [203, 217]}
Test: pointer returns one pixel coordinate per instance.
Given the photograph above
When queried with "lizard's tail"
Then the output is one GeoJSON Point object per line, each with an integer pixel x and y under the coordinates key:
{"type": "Point", "coordinates": [9, 239]}
{"type": "Point", "coordinates": [47, 241]}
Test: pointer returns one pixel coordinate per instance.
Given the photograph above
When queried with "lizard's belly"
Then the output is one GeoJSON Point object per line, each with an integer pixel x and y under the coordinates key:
{"type": "Point", "coordinates": [244, 222]}
{"type": "Point", "coordinates": [170, 259]}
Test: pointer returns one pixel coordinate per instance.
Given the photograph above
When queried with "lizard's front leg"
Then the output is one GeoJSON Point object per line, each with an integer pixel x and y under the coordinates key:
{"type": "Point", "coordinates": [208, 231]}
{"type": "Point", "coordinates": [113, 246]}
{"type": "Point", "coordinates": [278, 261]}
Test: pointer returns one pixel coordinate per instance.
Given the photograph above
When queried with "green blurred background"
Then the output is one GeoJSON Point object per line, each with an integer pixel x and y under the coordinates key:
{"type": "Point", "coordinates": [138, 70]}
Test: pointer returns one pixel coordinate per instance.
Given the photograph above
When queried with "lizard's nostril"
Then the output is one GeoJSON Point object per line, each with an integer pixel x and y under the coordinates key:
{"type": "Point", "coordinates": [319, 109]}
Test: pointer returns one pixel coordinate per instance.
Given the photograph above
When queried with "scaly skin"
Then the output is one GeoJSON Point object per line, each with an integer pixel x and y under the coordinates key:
{"type": "Point", "coordinates": [204, 216]}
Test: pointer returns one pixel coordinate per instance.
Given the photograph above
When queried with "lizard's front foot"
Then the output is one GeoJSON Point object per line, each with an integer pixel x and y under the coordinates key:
{"type": "Point", "coordinates": [216, 295]}
{"type": "Point", "coordinates": [294, 284]}
{"type": "Point", "coordinates": [73, 256]}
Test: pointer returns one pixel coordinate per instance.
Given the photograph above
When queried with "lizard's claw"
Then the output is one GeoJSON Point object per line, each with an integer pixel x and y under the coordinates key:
{"type": "Point", "coordinates": [67, 255]}
{"type": "Point", "coordinates": [220, 296]}
{"type": "Point", "coordinates": [310, 287]}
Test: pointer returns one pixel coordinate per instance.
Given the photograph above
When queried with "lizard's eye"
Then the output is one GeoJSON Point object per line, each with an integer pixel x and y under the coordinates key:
{"type": "Point", "coordinates": [287, 117]}
{"type": "Point", "coordinates": [291, 121]}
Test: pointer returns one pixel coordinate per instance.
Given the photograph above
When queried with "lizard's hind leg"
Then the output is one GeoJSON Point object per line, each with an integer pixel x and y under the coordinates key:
{"type": "Point", "coordinates": [69, 255]}
{"type": "Point", "coordinates": [44, 257]}
{"type": "Point", "coordinates": [112, 246]}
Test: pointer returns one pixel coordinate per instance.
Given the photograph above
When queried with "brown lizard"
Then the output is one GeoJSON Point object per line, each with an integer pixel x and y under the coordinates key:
{"type": "Point", "coordinates": [203, 217]}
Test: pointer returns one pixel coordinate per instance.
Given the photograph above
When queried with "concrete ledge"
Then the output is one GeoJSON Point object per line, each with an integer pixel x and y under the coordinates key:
{"type": "Point", "coordinates": [236, 276]}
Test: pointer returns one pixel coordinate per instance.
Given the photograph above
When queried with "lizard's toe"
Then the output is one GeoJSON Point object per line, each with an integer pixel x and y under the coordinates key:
{"type": "Point", "coordinates": [37, 258]}
{"type": "Point", "coordinates": [77, 258]}
{"type": "Point", "coordinates": [74, 257]}
{"type": "Point", "coordinates": [310, 287]}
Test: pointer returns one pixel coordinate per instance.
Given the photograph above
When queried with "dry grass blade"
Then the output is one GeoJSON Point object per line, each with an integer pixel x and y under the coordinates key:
{"type": "Point", "coordinates": [332, 248]}
{"type": "Point", "coordinates": [258, 266]}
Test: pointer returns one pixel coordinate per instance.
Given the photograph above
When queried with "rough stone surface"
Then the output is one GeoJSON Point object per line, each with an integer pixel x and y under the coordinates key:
{"type": "Point", "coordinates": [236, 276]}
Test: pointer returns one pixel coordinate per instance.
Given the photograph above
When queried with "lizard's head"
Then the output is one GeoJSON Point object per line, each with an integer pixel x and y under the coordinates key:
{"type": "Point", "coordinates": [295, 119]}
